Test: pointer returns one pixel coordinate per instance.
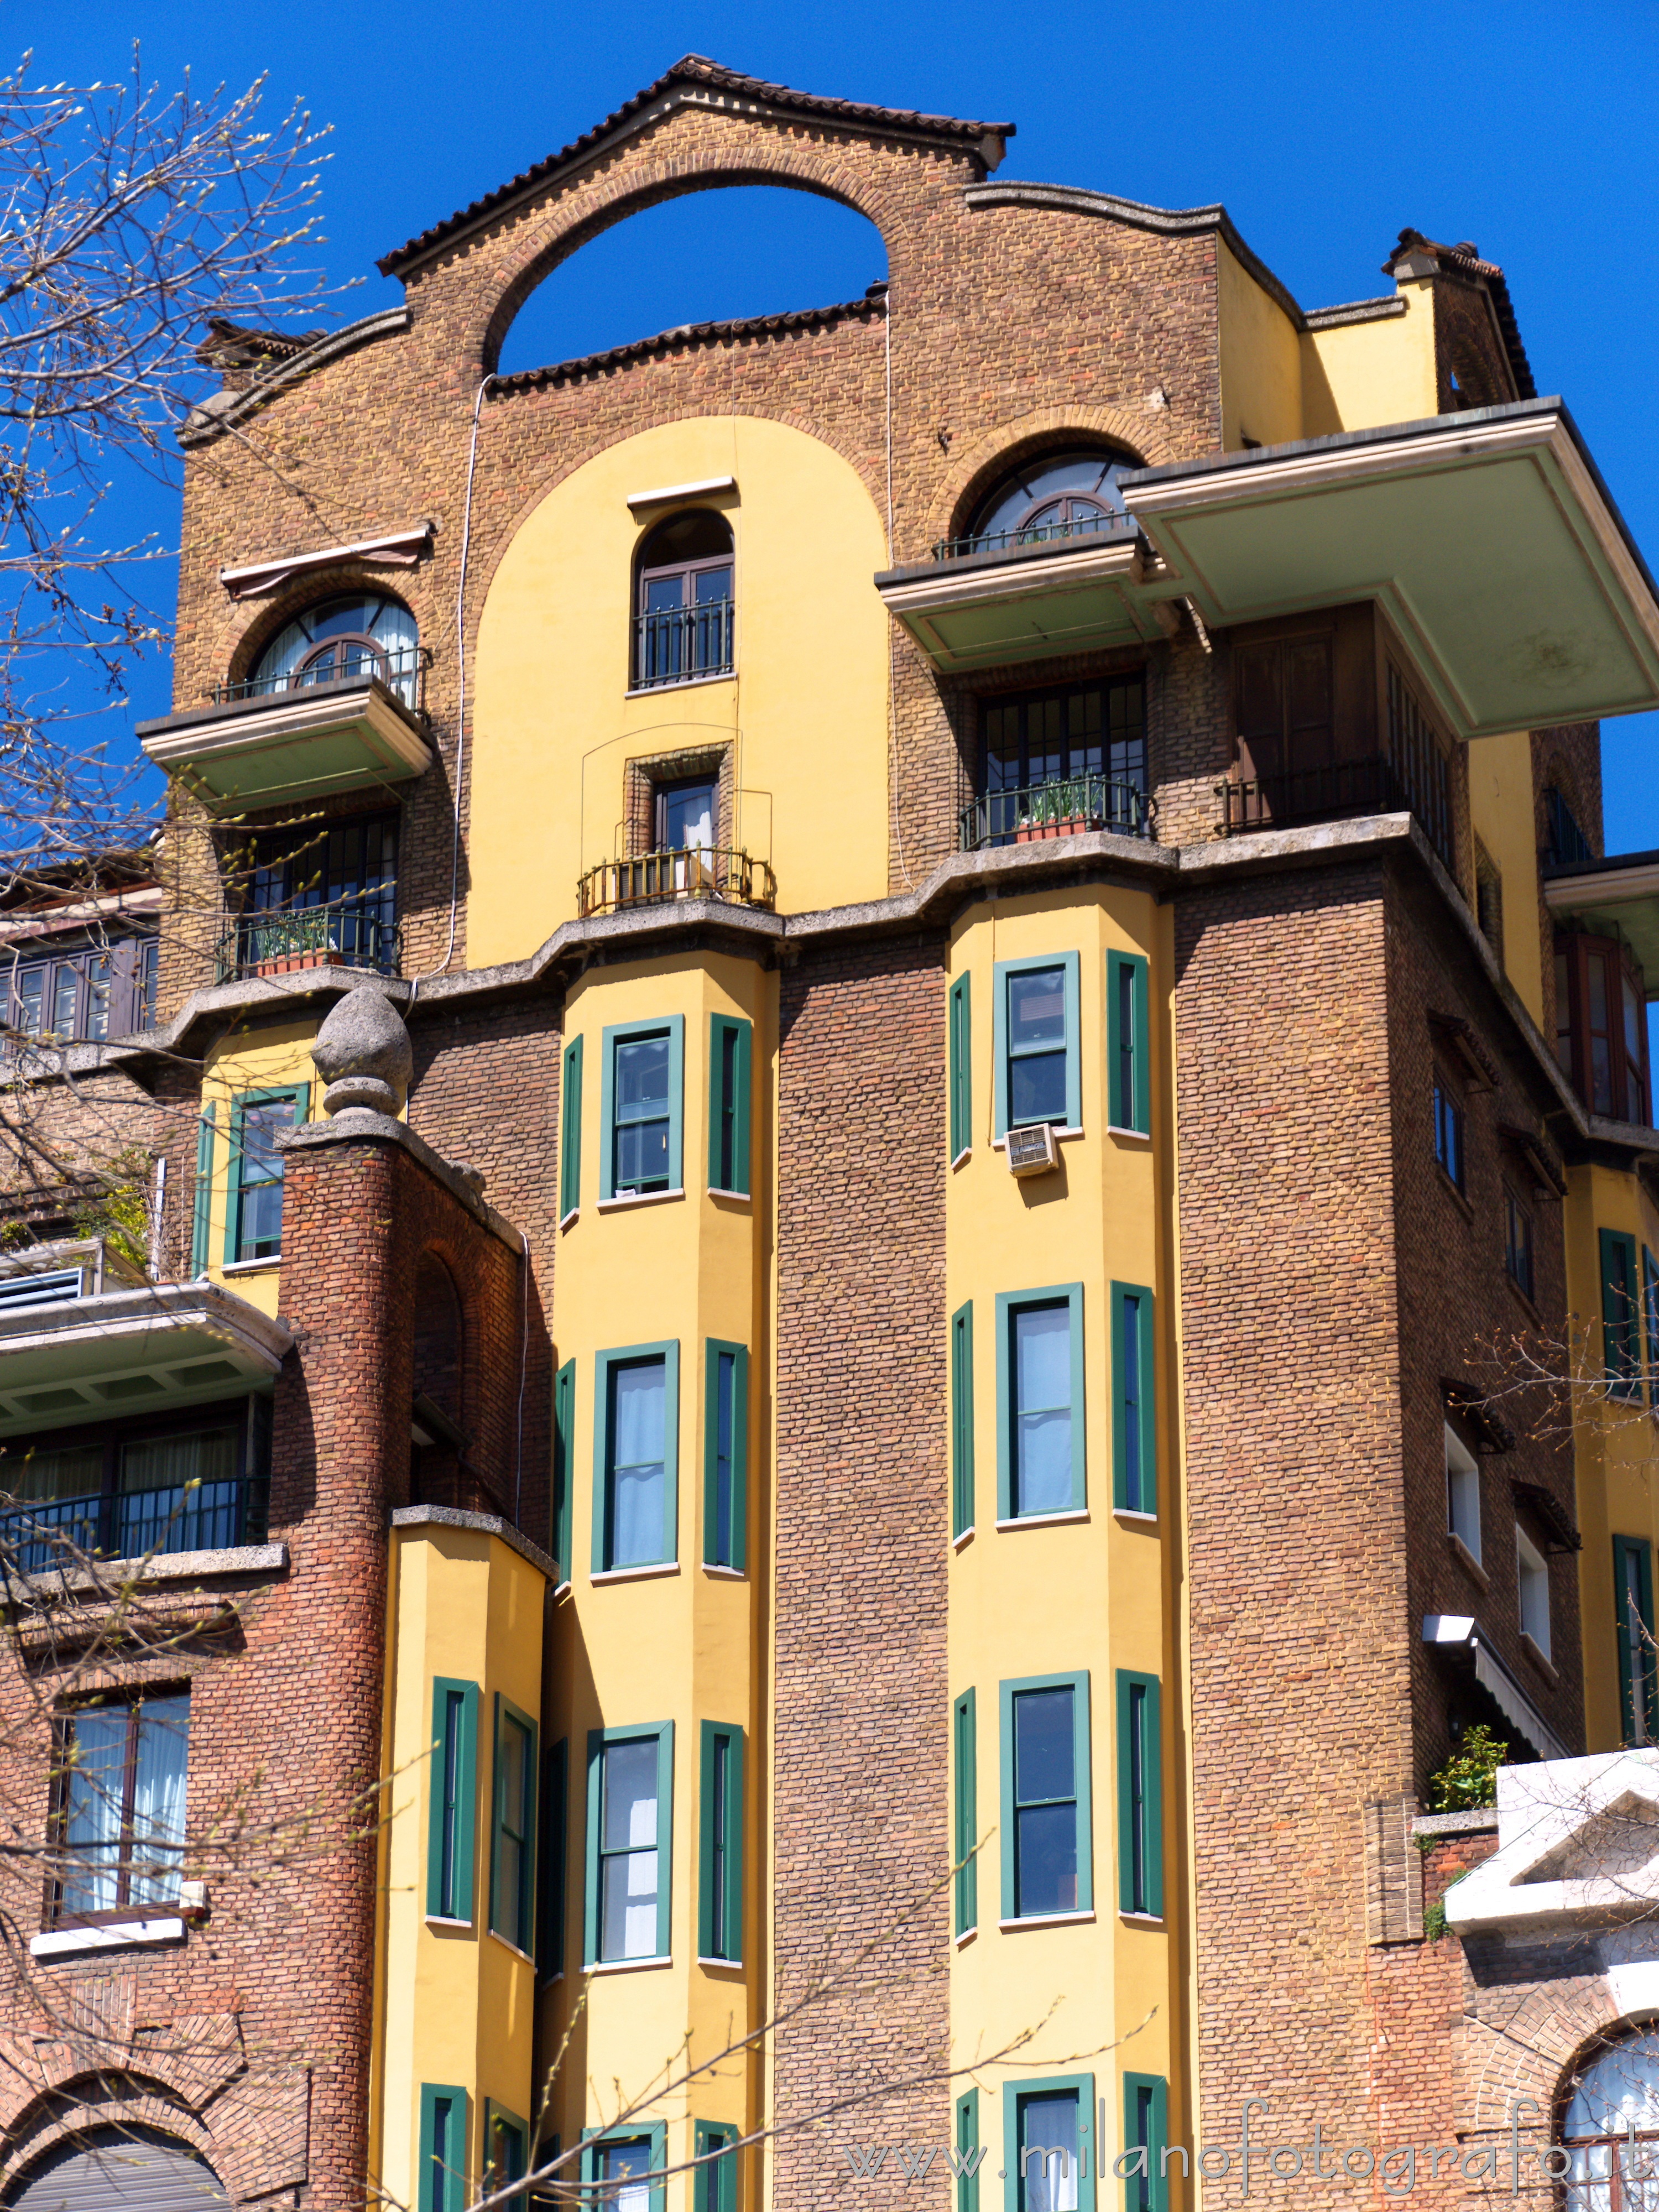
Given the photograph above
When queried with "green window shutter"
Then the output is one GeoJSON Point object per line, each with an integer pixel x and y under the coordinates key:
{"type": "Point", "coordinates": [201, 1224]}
{"type": "Point", "coordinates": [1134, 1399]}
{"type": "Point", "coordinates": [967, 1814]}
{"type": "Point", "coordinates": [602, 2189]}
{"type": "Point", "coordinates": [552, 1861]}
{"type": "Point", "coordinates": [564, 1467]}
{"type": "Point", "coordinates": [512, 1852]}
{"type": "Point", "coordinates": [961, 1075]}
{"type": "Point", "coordinates": [730, 1091]}
{"type": "Point", "coordinates": [716, 2185]}
{"type": "Point", "coordinates": [1128, 1043]}
{"type": "Point", "coordinates": [1067, 963]}
{"type": "Point", "coordinates": [1619, 1345]}
{"type": "Point", "coordinates": [1009, 1806]}
{"type": "Point", "coordinates": [1633, 1630]}
{"type": "Point", "coordinates": [1145, 2129]}
{"type": "Point", "coordinates": [1650, 1321]}
{"type": "Point", "coordinates": [720, 1840]}
{"type": "Point", "coordinates": [672, 1027]}
{"type": "Point", "coordinates": [603, 1548]}
{"type": "Point", "coordinates": [1009, 1304]}
{"type": "Point", "coordinates": [969, 2156]}
{"type": "Point", "coordinates": [665, 1839]}
{"type": "Point", "coordinates": [506, 2146]}
{"type": "Point", "coordinates": [725, 1455]}
{"type": "Point", "coordinates": [570, 1132]}
{"type": "Point", "coordinates": [452, 1800]}
{"type": "Point", "coordinates": [441, 2183]}
{"type": "Point", "coordinates": [962, 1420]}
{"type": "Point", "coordinates": [1139, 1797]}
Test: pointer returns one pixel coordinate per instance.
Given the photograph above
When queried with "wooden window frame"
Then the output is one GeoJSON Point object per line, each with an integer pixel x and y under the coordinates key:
{"type": "Point", "coordinates": [720, 1843]}
{"type": "Point", "coordinates": [1630, 1089]}
{"type": "Point", "coordinates": [504, 2129]}
{"type": "Point", "coordinates": [673, 1026]}
{"type": "Point", "coordinates": [964, 1760]}
{"type": "Point", "coordinates": [236, 1185]}
{"type": "Point", "coordinates": [965, 2129]}
{"type": "Point", "coordinates": [666, 1350]}
{"type": "Point", "coordinates": [1140, 1794]}
{"type": "Point", "coordinates": [1520, 1251]}
{"type": "Point", "coordinates": [1449, 1110]}
{"type": "Point", "coordinates": [1134, 1387]}
{"type": "Point", "coordinates": [596, 2140]}
{"type": "Point", "coordinates": [1621, 1314]}
{"type": "Point", "coordinates": [564, 1471]}
{"type": "Point", "coordinates": [715, 2186]}
{"type": "Point", "coordinates": [513, 1918]}
{"type": "Point", "coordinates": [962, 1484]}
{"type": "Point", "coordinates": [1128, 1044]}
{"type": "Point", "coordinates": [1010, 1303]}
{"type": "Point", "coordinates": [1007, 1692]}
{"type": "Point", "coordinates": [1147, 2095]}
{"type": "Point", "coordinates": [570, 1132]}
{"type": "Point", "coordinates": [730, 1089]}
{"type": "Point", "coordinates": [959, 1076]}
{"type": "Point", "coordinates": [734, 1555]}
{"type": "Point", "coordinates": [1015, 2097]}
{"type": "Point", "coordinates": [1070, 967]}
{"type": "Point", "coordinates": [599, 1741]}
{"type": "Point", "coordinates": [1638, 1549]}
{"type": "Point", "coordinates": [132, 1699]}
{"type": "Point", "coordinates": [442, 2187]}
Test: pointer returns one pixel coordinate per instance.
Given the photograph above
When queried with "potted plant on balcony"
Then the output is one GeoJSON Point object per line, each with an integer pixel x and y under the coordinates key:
{"type": "Point", "coordinates": [1055, 810]}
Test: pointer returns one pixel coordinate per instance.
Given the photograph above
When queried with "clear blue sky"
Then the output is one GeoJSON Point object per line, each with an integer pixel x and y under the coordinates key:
{"type": "Point", "coordinates": [1527, 128]}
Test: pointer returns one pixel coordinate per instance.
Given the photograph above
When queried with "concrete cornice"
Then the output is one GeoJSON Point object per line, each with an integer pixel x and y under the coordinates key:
{"type": "Point", "coordinates": [484, 1524]}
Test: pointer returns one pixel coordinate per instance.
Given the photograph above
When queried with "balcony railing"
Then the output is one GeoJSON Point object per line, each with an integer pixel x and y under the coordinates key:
{"type": "Point", "coordinates": [1034, 811]}
{"type": "Point", "coordinates": [675, 644]}
{"type": "Point", "coordinates": [347, 934]}
{"type": "Point", "coordinates": [1045, 533]}
{"type": "Point", "coordinates": [61, 1532]}
{"type": "Point", "coordinates": [403, 672]}
{"type": "Point", "coordinates": [656, 877]}
{"type": "Point", "coordinates": [1369, 786]}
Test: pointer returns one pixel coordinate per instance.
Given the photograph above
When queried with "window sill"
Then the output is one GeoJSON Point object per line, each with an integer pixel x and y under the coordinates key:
{"type": "Point", "coordinates": [1467, 1560]}
{"type": "Point", "coordinates": [966, 1937]}
{"type": "Point", "coordinates": [113, 1935]}
{"type": "Point", "coordinates": [958, 1542]}
{"type": "Point", "coordinates": [722, 1966]}
{"type": "Point", "coordinates": [1540, 1659]}
{"type": "Point", "coordinates": [1042, 1520]}
{"type": "Point", "coordinates": [966, 1153]}
{"type": "Point", "coordinates": [252, 1267]}
{"type": "Point", "coordinates": [681, 684]}
{"type": "Point", "coordinates": [1061, 1136]}
{"type": "Point", "coordinates": [1142, 1919]}
{"type": "Point", "coordinates": [1134, 1136]}
{"type": "Point", "coordinates": [725, 1574]}
{"type": "Point", "coordinates": [506, 1944]}
{"type": "Point", "coordinates": [639, 1198]}
{"type": "Point", "coordinates": [1046, 1920]}
{"type": "Point", "coordinates": [738, 1197]}
{"type": "Point", "coordinates": [443, 1920]}
{"type": "Point", "coordinates": [627, 1965]}
{"type": "Point", "coordinates": [635, 1574]}
{"type": "Point", "coordinates": [569, 1220]}
{"type": "Point", "coordinates": [1132, 1513]}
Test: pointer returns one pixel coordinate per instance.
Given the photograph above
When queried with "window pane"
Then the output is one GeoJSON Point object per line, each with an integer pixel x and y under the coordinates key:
{"type": "Point", "coordinates": [159, 1511]}
{"type": "Point", "coordinates": [628, 1848]}
{"type": "Point", "coordinates": [1036, 1088]}
{"type": "Point", "coordinates": [688, 826]}
{"type": "Point", "coordinates": [96, 1747]}
{"type": "Point", "coordinates": [1042, 1409]}
{"type": "Point", "coordinates": [262, 1177]}
{"type": "Point", "coordinates": [158, 1810]}
{"type": "Point", "coordinates": [1049, 2149]}
{"type": "Point", "coordinates": [63, 1001]}
{"type": "Point", "coordinates": [642, 1113]}
{"type": "Point", "coordinates": [1045, 1751]}
{"type": "Point", "coordinates": [712, 585]}
{"type": "Point", "coordinates": [1036, 1008]}
{"type": "Point", "coordinates": [639, 1396]}
{"type": "Point", "coordinates": [627, 2163]}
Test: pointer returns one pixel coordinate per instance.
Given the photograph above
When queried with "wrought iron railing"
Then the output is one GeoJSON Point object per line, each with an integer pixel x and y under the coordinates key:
{"type": "Point", "coordinates": [1059, 808]}
{"type": "Point", "coordinates": [694, 873]}
{"type": "Point", "coordinates": [61, 1532]}
{"type": "Point", "coordinates": [402, 672]}
{"type": "Point", "coordinates": [1043, 533]}
{"type": "Point", "coordinates": [349, 933]}
{"type": "Point", "coordinates": [1372, 785]}
{"type": "Point", "coordinates": [674, 644]}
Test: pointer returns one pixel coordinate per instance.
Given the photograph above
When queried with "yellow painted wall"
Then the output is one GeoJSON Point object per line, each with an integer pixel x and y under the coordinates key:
{"type": "Point", "coordinates": [251, 1058]}
{"type": "Point", "coordinates": [1502, 810]}
{"type": "Point", "coordinates": [1617, 1442]}
{"type": "Point", "coordinates": [457, 2004]}
{"type": "Point", "coordinates": [1260, 361]}
{"type": "Point", "coordinates": [1096, 1595]}
{"type": "Point", "coordinates": [806, 710]}
{"type": "Point", "coordinates": [1361, 375]}
{"type": "Point", "coordinates": [683, 1646]}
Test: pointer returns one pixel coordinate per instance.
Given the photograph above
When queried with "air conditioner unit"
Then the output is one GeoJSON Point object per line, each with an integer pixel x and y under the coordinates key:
{"type": "Point", "coordinates": [1032, 1151]}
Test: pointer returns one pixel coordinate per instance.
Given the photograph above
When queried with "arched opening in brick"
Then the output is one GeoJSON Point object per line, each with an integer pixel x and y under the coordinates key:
{"type": "Point", "coordinates": [114, 2168]}
{"type": "Point", "coordinates": [438, 1434]}
{"type": "Point", "coordinates": [721, 253]}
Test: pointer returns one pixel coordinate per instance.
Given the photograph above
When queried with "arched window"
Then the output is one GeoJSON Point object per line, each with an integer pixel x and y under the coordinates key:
{"type": "Point", "coordinates": [684, 618]}
{"type": "Point", "coordinates": [363, 635]}
{"type": "Point", "coordinates": [1052, 495]}
{"type": "Point", "coordinates": [117, 2166]}
{"type": "Point", "coordinates": [1614, 2119]}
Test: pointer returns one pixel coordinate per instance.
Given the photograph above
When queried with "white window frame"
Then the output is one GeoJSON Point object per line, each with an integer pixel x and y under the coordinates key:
{"type": "Point", "coordinates": [1533, 1579]}
{"type": "Point", "coordinates": [1462, 1493]}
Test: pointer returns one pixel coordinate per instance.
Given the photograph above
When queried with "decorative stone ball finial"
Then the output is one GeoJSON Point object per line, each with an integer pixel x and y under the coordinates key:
{"type": "Point", "coordinates": [363, 1054]}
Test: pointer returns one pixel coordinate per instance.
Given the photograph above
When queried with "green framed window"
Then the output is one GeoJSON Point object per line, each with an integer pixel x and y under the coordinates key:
{"type": "Point", "coordinates": [1638, 1673]}
{"type": "Point", "coordinates": [618, 2169]}
{"type": "Point", "coordinates": [564, 1467]}
{"type": "Point", "coordinates": [452, 1806]}
{"type": "Point", "coordinates": [1128, 1044]}
{"type": "Point", "coordinates": [731, 1083]}
{"type": "Point", "coordinates": [201, 1218]}
{"type": "Point", "coordinates": [641, 1102]}
{"type": "Point", "coordinates": [512, 1847]}
{"type": "Point", "coordinates": [725, 1454]}
{"type": "Point", "coordinates": [1140, 1796]}
{"type": "Point", "coordinates": [636, 1397]}
{"type": "Point", "coordinates": [1620, 1335]}
{"type": "Point", "coordinates": [969, 2154]}
{"type": "Point", "coordinates": [962, 1420]}
{"type": "Point", "coordinates": [720, 1843]}
{"type": "Point", "coordinates": [1145, 2143]}
{"type": "Point", "coordinates": [1039, 1429]}
{"type": "Point", "coordinates": [553, 1861]}
{"type": "Point", "coordinates": [1134, 1402]}
{"type": "Point", "coordinates": [506, 2145]}
{"type": "Point", "coordinates": [715, 2189]}
{"type": "Point", "coordinates": [570, 1132]}
{"type": "Point", "coordinates": [960, 1077]}
{"type": "Point", "coordinates": [441, 2182]}
{"type": "Point", "coordinates": [1047, 1831]}
{"type": "Point", "coordinates": [253, 1216]}
{"type": "Point", "coordinates": [631, 1821]}
{"type": "Point", "coordinates": [1650, 1321]}
{"type": "Point", "coordinates": [1046, 2131]}
{"type": "Point", "coordinates": [1035, 1040]}
{"type": "Point", "coordinates": [966, 1751]}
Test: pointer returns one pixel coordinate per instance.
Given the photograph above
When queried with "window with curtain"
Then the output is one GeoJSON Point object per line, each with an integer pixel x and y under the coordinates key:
{"type": "Point", "coordinates": [629, 1860]}
{"type": "Point", "coordinates": [1050, 2141]}
{"type": "Point", "coordinates": [122, 1768]}
{"type": "Point", "coordinates": [364, 634]}
{"type": "Point", "coordinates": [1042, 1409]}
{"type": "Point", "coordinates": [1611, 2129]}
{"type": "Point", "coordinates": [180, 1493]}
{"type": "Point", "coordinates": [636, 1511]}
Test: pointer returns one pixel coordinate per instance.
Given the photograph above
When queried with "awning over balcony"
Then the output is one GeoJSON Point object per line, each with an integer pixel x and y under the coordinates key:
{"type": "Point", "coordinates": [1022, 602]}
{"type": "Point", "coordinates": [165, 1344]}
{"type": "Point", "coordinates": [1489, 537]}
{"type": "Point", "coordinates": [1617, 895]}
{"type": "Point", "coordinates": [350, 735]}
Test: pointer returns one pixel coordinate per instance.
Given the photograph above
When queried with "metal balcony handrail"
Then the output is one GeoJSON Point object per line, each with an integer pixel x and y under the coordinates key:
{"type": "Point", "coordinates": [1372, 784]}
{"type": "Point", "coordinates": [37, 1537]}
{"type": "Point", "coordinates": [401, 670]}
{"type": "Point", "coordinates": [672, 645]}
{"type": "Point", "coordinates": [1058, 806]}
{"type": "Point", "coordinates": [1042, 533]}
{"type": "Point", "coordinates": [345, 933]}
{"type": "Point", "coordinates": [686, 872]}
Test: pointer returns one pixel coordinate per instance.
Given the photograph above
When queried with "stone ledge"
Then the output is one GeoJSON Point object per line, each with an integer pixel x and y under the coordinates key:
{"type": "Point", "coordinates": [485, 1524]}
{"type": "Point", "coordinates": [361, 1124]}
{"type": "Point", "coordinates": [1481, 1821]}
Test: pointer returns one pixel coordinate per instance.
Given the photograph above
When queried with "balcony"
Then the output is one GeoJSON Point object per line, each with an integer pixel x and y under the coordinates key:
{"type": "Point", "coordinates": [60, 1533]}
{"type": "Point", "coordinates": [277, 743]}
{"type": "Point", "coordinates": [679, 645]}
{"type": "Point", "coordinates": [659, 879]}
{"type": "Point", "coordinates": [349, 933]}
{"type": "Point", "coordinates": [1033, 812]}
{"type": "Point", "coordinates": [1341, 790]}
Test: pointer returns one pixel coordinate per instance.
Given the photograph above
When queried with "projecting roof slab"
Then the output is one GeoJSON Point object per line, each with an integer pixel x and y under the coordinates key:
{"type": "Point", "coordinates": [1489, 537]}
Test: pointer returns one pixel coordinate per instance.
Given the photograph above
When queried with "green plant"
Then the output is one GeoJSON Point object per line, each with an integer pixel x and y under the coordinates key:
{"type": "Point", "coordinates": [1469, 1780]}
{"type": "Point", "coordinates": [1434, 1921]}
{"type": "Point", "coordinates": [120, 1211]}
